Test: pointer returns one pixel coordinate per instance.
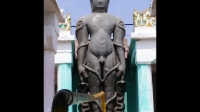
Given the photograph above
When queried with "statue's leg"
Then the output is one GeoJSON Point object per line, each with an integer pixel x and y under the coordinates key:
{"type": "Point", "coordinates": [94, 80]}
{"type": "Point", "coordinates": [110, 81]}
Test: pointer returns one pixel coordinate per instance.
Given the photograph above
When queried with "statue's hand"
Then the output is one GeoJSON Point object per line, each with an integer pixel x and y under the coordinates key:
{"type": "Point", "coordinates": [121, 71]}
{"type": "Point", "coordinates": [81, 71]}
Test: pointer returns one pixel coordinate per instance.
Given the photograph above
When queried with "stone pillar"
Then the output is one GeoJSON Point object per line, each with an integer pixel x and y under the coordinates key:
{"type": "Point", "coordinates": [52, 17]}
{"type": "Point", "coordinates": [145, 90]}
{"type": "Point", "coordinates": [50, 45]}
{"type": "Point", "coordinates": [64, 76]}
{"type": "Point", "coordinates": [145, 55]}
{"type": "Point", "coordinates": [64, 60]}
{"type": "Point", "coordinates": [48, 79]}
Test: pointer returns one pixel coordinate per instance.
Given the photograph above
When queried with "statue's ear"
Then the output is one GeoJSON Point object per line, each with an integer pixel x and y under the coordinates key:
{"type": "Point", "coordinates": [91, 7]}
{"type": "Point", "coordinates": [108, 1]}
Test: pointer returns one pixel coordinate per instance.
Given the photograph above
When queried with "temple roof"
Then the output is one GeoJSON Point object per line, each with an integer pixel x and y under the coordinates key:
{"type": "Point", "coordinates": [52, 6]}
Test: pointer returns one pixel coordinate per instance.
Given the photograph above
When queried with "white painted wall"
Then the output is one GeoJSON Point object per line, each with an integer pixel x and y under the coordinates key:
{"type": "Point", "coordinates": [63, 57]}
{"type": "Point", "coordinates": [144, 33]}
{"type": "Point", "coordinates": [145, 44]}
{"type": "Point", "coordinates": [64, 45]}
{"type": "Point", "coordinates": [52, 6]}
{"type": "Point", "coordinates": [48, 79]}
{"type": "Point", "coordinates": [52, 17]}
{"type": "Point", "coordinates": [50, 48]}
{"type": "Point", "coordinates": [50, 38]}
{"type": "Point", "coordinates": [145, 56]}
{"type": "Point", "coordinates": [64, 50]}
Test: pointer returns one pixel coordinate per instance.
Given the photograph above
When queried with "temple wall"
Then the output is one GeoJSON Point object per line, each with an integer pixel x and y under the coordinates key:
{"type": "Point", "coordinates": [52, 17]}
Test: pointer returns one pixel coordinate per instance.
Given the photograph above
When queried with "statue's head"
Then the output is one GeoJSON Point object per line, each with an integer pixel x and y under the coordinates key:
{"type": "Point", "coordinates": [99, 5]}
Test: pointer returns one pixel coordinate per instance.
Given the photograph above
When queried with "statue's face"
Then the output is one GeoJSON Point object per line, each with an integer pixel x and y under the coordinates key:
{"type": "Point", "coordinates": [99, 4]}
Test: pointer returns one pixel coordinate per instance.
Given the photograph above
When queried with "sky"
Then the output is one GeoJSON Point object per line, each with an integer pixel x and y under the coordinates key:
{"type": "Point", "coordinates": [120, 8]}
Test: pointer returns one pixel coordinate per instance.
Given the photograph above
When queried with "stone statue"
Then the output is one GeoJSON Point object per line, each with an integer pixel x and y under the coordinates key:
{"type": "Point", "coordinates": [101, 59]}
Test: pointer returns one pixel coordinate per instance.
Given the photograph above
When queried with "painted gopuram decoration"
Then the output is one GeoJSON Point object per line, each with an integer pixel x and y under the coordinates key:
{"type": "Point", "coordinates": [144, 19]}
{"type": "Point", "coordinates": [101, 60]}
{"type": "Point", "coordinates": [67, 24]}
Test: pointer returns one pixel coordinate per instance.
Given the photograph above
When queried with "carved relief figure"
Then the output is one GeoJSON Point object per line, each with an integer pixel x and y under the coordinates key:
{"type": "Point", "coordinates": [101, 60]}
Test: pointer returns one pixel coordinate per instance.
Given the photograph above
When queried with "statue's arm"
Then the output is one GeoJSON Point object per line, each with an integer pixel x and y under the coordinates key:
{"type": "Point", "coordinates": [82, 37]}
{"type": "Point", "coordinates": [119, 34]}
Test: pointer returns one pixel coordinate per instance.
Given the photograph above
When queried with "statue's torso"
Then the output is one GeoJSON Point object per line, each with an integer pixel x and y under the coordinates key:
{"type": "Point", "coordinates": [100, 27]}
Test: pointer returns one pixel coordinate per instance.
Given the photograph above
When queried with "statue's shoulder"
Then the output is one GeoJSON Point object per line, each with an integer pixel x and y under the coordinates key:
{"type": "Point", "coordinates": [118, 22]}
{"type": "Point", "coordinates": [84, 19]}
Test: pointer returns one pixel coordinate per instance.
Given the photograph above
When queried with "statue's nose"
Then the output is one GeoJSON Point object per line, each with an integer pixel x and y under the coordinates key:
{"type": "Point", "coordinates": [100, 1]}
